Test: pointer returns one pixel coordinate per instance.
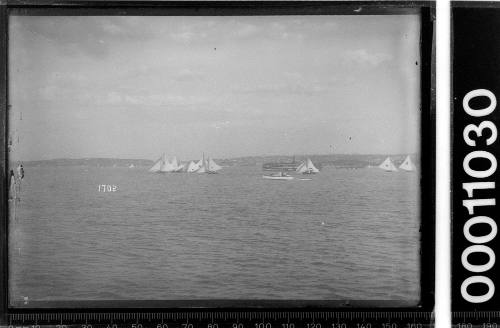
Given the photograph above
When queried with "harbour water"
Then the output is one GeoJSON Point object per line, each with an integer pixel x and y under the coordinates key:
{"type": "Point", "coordinates": [344, 235]}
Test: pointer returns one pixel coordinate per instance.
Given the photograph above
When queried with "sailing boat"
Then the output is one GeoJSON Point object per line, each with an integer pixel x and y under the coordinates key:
{"type": "Point", "coordinates": [157, 165]}
{"type": "Point", "coordinates": [205, 166]}
{"type": "Point", "coordinates": [192, 167]}
{"type": "Point", "coordinates": [387, 165]}
{"type": "Point", "coordinates": [180, 168]}
{"type": "Point", "coordinates": [278, 176]}
{"type": "Point", "coordinates": [176, 166]}
{"type": "Point", "coordinates": [202, 164]}
{"type": "Point", "coordinates": [407, 165]}
{"type": "Point", "coordinates": [307, 167]}
{"type": "Point", "coordinates": [212, 167]}
{"type": "Point", "coordinates": [166, 166]}
{"type": "Point", "coordinates": [162, 165]}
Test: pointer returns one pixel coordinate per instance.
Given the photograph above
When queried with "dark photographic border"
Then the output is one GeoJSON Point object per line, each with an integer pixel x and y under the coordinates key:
{"type": "Point", "coordinates": [475, 64]}
{"type": "Point", "coordinates": [426, 11]}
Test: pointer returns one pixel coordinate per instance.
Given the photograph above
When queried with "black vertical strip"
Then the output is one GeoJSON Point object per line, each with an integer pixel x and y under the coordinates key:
{"type": "Point", "coordinates": [427, 151]}
{"type": "Point", "coordinates": [475, 65]}
{"type": "Point", "coordinates": [3, 166]}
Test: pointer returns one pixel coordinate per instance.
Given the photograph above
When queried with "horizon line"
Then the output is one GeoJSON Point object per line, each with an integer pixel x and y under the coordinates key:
{"type": "Point", "coordinates": [220, 158]}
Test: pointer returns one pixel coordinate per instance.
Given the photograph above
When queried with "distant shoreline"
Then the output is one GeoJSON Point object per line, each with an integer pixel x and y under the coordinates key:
{"type": "Point", "coordinates": [337, 160]}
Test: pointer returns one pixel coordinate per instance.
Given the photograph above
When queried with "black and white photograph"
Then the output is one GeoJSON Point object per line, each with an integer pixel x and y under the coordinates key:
{"type": "Point", "coordinates": [259, 157]}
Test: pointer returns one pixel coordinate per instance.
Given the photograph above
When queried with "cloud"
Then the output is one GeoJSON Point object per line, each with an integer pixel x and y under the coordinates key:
{"type": "Point", "coordinates": [56, 93]}
{"type": "Point", "coordinates": [129, 97]}
{"type": "Point", "coordinates": [187, 75]}
{"type": "Point", "coordinates": [113, 28]}
{"type": "Point", "coordinates": [190, 29]}
{"type": "Point", "coordinates": [48, 92]}
{"type": "Point", "coordinates": [114, 98]}
{"type": "Point", "coordinates": [184, 36]}
{"type": "Point", "coordinates": [90, 35]}
{"type": "Point", "coordinates": [301, 88]}
{"type": "Point", "coordinates": [117, 98]}
{"type": "Point", "coordinates": [291, 83]}
{"type": "Point", "coordinates": [296, 76]}
{"type": "Point", "coordinates": [152, 99]}
{"type": "Point", "coordinates": [220, 124]}
{"type": "Point", "coordinates": [363, 57]}
{"type": "Point", "coordinates": [245, 30]}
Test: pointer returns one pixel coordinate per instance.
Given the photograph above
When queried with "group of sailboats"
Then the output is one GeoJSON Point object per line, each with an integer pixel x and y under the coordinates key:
{"type": "Point", "coordinates": [203, 166]}
{"type": "Point", "coordinates": [407, 165]}
{"type": "Point", "coordinates": [208, 165]}
{"type": "Point", "coordinates": [307, 167]}
{"type": "Point", "coordinates": [163, 165]}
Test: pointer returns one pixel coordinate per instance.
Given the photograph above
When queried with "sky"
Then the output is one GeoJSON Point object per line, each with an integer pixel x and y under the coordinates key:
{"type": "Point", "coordinates": [229, 86]}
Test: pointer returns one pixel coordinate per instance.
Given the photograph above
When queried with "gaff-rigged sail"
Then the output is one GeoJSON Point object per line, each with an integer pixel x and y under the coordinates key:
{"type": "Point", "coordinates": [174, 163]}
{"type": "Point", "coordinates": [176, 166]}
{"type": "Point", "coordinates": [301, 168]}
{"type": "Point", "coordinates": [166, 166]}
{"type": "Point", "coordinates": [157, 166]}
{"type": "Point", "coordinates": [202, 164]}
{"type": "Point", "coordinates": [310, 166]}
{"type": "Point", "coordinates": [407, 164]}
{"type": "Point", "coordinates": [202, 169]}
{"type": "Point", "coordinates": [212, 166]}
{"type": "Point", "coordinates": [307, 167]}
{"type": "Point", "coordinates": [180, 168]}
{"type": "Point", "coordinates": [192, 167]}
{"type": "Point", "coordinates": [387, 165]}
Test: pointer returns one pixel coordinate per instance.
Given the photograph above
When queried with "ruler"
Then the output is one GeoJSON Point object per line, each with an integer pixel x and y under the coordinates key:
{"type": "Point", "coordinates": [223, 319]}
{"type": "Point", "coordinates": [476, 319]}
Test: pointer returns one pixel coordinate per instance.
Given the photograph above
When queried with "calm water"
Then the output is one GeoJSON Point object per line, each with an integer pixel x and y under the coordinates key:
{"type": "Point", "coordinates": [347, 234]}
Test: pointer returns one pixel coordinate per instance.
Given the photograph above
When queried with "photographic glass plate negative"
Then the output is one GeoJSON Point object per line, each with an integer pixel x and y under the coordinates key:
{"type": "Point", "coordinates": [222, 163]}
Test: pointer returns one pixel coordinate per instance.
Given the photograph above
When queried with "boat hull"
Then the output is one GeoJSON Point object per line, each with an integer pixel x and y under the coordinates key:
{"type": "Point", "coordinates": [281, 166]}
{"type": "Point", "coordinates": [276, 178]}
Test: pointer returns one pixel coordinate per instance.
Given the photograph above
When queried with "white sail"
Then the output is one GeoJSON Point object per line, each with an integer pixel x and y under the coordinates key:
{"type": "Point", "coordinates": [192, 167]}
{"type": "Point", "coordinates": [131, 166]}
{"type": "Point", "coordinates": [202, 169]}
{"type": "Point", "coordinates": [181, 167]}
{"type": "Point", "coordinates": [157, 166]}
{"type": "Point", "coordinates": [307, 167]}
{"type": "Point", "coordinates": [407, 164]}
{"type": "Point", "coordinates": [302, 168]}
{"type": "Point", "coordinates": [202, 164]}
{"type": "Point", "coordinates": [212, 166]}
{"type": "Point", "coordinates": [174, 163]}
{"type": "Point", "coordinates": [166, 165]}
{"type": "Point", "coordinates": [310, 166]}
{"type": "Point", "coordinates": [387, 165]}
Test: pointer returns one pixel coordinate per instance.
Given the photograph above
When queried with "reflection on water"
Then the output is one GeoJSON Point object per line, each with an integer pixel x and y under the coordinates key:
{"type": "Point", "coordinates": [346, 234]}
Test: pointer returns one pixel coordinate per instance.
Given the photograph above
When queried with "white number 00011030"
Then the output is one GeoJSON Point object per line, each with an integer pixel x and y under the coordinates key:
{"type": "Point", "coordinates": [476, 131]}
